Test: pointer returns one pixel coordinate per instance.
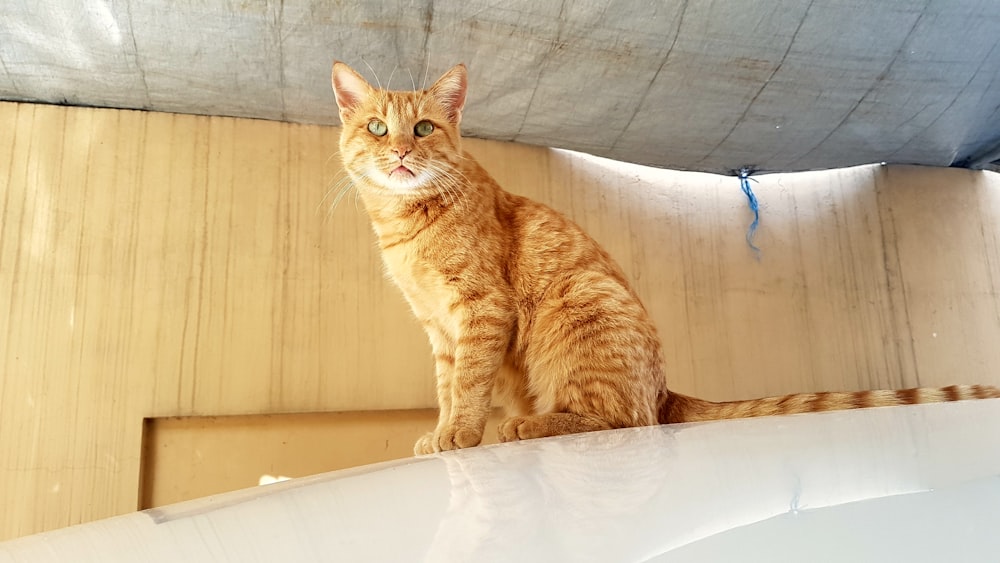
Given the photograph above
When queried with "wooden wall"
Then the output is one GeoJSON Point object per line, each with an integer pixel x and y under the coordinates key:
{"type": "Point", "coordinates": [156, 265]}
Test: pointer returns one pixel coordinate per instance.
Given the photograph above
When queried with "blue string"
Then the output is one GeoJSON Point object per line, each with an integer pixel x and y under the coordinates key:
{"type": "Point", "coordinates": [753, 205]}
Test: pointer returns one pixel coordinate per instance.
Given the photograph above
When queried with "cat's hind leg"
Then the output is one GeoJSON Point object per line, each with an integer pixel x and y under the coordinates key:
{"type": "Point", "coordinates": [552, 424]}
{"type": "Point", "coordinates": [591, 361]}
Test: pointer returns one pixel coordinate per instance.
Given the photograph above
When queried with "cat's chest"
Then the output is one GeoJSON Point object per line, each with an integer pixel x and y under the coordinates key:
{"type": "Point", "coordinates": [426, 289]}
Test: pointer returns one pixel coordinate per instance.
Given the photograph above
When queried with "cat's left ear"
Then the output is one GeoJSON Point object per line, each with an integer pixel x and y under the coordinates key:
{"type": "Point", "coordinates": [450, 90]}
{"type": "Point", "coordinates": [349, 88]}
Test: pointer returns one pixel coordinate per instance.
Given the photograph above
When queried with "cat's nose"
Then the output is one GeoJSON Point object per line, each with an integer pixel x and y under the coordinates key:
{"type": "Point", "coordinates": [401, 152]}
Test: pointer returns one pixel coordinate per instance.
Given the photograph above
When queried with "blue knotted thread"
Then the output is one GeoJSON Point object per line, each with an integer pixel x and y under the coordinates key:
{"type": "Point", "coordinates": [754, 206]}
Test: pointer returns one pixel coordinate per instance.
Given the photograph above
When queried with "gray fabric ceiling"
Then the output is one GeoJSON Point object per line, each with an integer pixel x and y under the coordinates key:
{"type": "Point", "coordinates": [778, 85]}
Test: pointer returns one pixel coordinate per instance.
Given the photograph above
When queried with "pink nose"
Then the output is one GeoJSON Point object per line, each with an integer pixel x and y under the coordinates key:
{"type": "Point", "coordinates": [401, 152]}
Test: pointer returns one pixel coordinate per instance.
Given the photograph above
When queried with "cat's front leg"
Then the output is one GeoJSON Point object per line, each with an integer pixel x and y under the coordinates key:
{"type": "Point", "coordinates": [454, 432]}
{"type": "Point", "coordinates": [444, 368]}
{"type": "Point", "coordinates": [480, 349]}
{"type": "Point", "coordinates": [482, 343]}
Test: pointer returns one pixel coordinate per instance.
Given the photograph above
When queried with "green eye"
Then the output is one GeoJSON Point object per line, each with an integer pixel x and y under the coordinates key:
{"type": "Point", "coordinates": [377, 128]}
{"type": "Point", "coordinates": [424, 128]}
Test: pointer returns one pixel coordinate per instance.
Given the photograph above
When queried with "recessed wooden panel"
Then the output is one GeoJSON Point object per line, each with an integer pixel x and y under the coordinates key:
{"type": "Point", "coordinates": [191, 457]}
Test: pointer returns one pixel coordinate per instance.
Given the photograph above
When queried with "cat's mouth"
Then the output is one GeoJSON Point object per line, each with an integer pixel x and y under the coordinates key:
{"type": "Point", "coordinates": [401, 172]}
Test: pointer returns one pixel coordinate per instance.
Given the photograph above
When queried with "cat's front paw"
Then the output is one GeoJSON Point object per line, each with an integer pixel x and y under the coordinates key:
{"type": "Point", "coordinates": [450, 438]}
{"type": "Point", "coordinates": [457, 437]}
{"type": "Point", "coordinates": [424, 445]}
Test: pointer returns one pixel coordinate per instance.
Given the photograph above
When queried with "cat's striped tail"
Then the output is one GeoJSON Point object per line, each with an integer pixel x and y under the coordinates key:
{"type": "Point", "coordinates": [681, 408]}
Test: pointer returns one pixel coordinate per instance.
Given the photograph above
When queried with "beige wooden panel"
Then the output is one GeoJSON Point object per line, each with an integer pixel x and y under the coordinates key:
{"type": "Point", "coordinates": [192, 457]}
{"type": "Point", "coordinates": [69, 456]}
{"type": "Point", "coordinates": [946, 229]}
{"type": "Point", "coordinates": [156, 265]}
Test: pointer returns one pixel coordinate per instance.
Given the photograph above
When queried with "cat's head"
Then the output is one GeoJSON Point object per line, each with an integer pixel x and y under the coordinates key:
{"type": "Point", "coordinates": [403, 142]}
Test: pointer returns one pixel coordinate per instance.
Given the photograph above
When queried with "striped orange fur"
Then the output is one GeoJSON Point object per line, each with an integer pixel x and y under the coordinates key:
{"type": "Point", "coordinates": [521, 307]}
{"type": "Point", "coordinates": [680, 408]}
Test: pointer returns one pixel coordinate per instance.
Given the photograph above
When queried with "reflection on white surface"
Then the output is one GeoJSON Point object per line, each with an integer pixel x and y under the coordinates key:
{"type": "Point", "coordinates": [953, 524]}
{"type": "Point", "coordinates": [688, 493]}
{"type": "Point", "coordinates": [557, 499]}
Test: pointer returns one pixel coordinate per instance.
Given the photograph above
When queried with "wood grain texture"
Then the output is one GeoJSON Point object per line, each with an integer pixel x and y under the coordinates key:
{"type": "Point", "coordinates": [166, 265]}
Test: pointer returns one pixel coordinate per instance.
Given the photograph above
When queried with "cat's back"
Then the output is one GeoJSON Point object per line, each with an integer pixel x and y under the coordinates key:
{"type": "Point", "coordinates": [545, 246]}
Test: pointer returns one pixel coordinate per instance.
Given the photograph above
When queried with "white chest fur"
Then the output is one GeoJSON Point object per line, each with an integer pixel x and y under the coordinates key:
{"type": "Point", "coordinates": [430, 295]}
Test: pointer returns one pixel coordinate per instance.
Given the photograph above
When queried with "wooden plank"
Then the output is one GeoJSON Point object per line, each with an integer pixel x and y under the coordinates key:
{"type": "Point", "coordinates": [946, 230]}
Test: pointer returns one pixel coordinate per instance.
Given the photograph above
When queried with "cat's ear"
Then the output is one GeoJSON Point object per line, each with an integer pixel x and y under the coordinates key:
{"type": "Point", "coordinates": [450, 90]}
{"type": "Point", "coordinates": [349, 88]}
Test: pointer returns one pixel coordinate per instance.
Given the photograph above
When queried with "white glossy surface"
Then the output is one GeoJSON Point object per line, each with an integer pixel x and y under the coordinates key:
{"type": "Point", "coordinates": [956, 523]}
{"type": "Point", "coordinates": [762, 489]}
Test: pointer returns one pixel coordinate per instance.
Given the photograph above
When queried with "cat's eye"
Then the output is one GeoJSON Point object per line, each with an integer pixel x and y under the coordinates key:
{"type": "Point", "coordinates": [424, 128]}
{"type": "Point", "coordinates": [377, 128]}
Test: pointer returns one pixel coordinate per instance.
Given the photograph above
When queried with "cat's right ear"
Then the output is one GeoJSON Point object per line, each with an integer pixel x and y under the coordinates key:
{"type": "Point", "coordinates": [450, 90]}
{"type": "Point", "coordinates": [349, 88]}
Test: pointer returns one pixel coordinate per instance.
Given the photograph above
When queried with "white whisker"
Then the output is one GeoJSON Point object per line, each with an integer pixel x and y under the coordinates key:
{"type": "Point", "coordinates": [336, 182]}
{"type": "Point", "coordinates": [329, 158]}
{"type": "Point", "coordinates": [339, 187]}
{"type": "Point", "coordinates": [340, 196]}
{"type": "Point", "coordinates": [445, 178]}
{"type": "Point", "coordinates": [377, 82]}
{"type": "Point", "coordinates": [388, 83]}
{"type": "Point", "coordinates": [449, 170]}
{"type": "Point", "coordinates": [412, 83]}
{"type": "Point", "coordinates": [427, 68]}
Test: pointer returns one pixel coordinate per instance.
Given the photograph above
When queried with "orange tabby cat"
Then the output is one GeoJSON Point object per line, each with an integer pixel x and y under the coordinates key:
{"type": "Point", "coordinates": [520, 305]}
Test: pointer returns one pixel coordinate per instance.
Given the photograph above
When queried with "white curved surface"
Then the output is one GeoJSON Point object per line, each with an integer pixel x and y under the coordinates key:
{"type": "Point", "coordinates": [910, 482]}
